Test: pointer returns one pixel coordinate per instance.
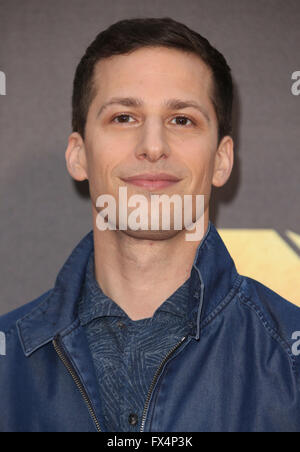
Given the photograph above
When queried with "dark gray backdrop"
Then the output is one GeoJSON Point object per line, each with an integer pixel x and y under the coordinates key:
{"type": "Point", "coordinates": [44, 214]}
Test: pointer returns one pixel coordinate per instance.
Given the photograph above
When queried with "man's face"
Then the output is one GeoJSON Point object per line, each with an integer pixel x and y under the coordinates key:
{"type": "Point", "coordinates": [151, 133]}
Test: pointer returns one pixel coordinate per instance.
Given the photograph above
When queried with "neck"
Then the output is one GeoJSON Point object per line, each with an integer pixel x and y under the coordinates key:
{"type": "Point", "coordinates": [140, 273]}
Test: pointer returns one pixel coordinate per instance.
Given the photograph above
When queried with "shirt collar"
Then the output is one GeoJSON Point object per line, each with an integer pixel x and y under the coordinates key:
{"type": "Point", "coordinates": [94, 303]}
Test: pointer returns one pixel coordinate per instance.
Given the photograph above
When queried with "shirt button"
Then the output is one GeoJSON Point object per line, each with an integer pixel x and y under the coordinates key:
{"type": "Point", "coordinates": [120, 324]}
{"type": "Point", "coordinates": [133, 419]}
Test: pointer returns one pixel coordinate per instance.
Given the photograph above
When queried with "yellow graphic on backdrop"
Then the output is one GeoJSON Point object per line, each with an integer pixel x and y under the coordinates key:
{"type": "Point", "coordinates": [262, 254]}
{"type": "Point", "coordinates": [294, 237]}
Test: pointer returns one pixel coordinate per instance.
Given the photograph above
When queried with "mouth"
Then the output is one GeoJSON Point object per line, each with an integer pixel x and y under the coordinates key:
{"type": "Point", "coordinates": [152, 181]}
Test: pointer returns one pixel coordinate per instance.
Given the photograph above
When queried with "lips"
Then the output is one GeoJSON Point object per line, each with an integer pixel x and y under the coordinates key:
{"type": "Point", "coordinates": [152, 181]}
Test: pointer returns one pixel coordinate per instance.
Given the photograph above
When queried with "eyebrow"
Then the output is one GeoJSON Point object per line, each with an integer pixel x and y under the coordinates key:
{"type": "Point", "coordinates": [172, 104]}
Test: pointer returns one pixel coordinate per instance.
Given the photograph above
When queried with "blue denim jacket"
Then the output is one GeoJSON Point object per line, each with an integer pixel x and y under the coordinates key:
{"type": "Point", "coordinates": [235, 371]}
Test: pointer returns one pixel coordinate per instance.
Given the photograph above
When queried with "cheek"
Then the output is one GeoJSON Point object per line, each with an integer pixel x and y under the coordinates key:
{"type": "Point", "coordinates": [100, 155]}
{"type": "Point", "coordinates": [201, 165]}
{"type": "Point", "coordinates": [108, 149]}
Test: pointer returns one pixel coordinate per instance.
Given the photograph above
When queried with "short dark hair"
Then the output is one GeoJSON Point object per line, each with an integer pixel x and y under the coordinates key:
{"type": "Point", "coordinates": [128, 35]}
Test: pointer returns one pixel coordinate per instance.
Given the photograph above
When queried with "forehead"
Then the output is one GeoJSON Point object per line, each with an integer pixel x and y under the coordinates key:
{"type": "Point", "coordinates": [152, 73]}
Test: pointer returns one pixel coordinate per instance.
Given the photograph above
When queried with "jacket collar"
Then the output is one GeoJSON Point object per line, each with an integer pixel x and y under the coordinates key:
{"type": "Point", "coordinates": [214, 277]}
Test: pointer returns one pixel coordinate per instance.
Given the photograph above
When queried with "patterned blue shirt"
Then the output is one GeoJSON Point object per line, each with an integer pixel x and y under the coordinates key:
{"type": "Point", "coordinates": [127, 353]}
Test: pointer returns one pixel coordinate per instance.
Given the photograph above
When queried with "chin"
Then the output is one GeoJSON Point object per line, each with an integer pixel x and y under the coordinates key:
{"type": "Point", "coordinates": [151, 235]}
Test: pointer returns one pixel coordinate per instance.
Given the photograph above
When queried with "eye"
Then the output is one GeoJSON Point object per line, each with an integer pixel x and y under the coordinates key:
{"type": "Point", "coordinates": [123, 118]}
{"type": "Point", "coordinates": [183, 120]}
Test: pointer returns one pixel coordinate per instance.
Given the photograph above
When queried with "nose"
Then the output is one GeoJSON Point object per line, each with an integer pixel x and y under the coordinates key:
{"type": "Point", "coordinates": [153, 144]}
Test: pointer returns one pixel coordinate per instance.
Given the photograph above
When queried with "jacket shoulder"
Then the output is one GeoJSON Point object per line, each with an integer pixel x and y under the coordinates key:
{"type": "Point", "coordinates": [275, 312]}
{"type": "Point", "coordinates": [8, 321]}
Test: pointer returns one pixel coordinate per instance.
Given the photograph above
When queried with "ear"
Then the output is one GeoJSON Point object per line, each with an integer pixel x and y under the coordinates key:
{"type": "Point", "coordinates": [223, 162]}
{"type": "Point", "coordinates": [76, 157]}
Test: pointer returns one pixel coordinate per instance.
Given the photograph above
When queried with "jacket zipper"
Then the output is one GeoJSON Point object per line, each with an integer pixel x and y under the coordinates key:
{"type": "Point", "coordinates": [155, 378]}
{"type": "Point", "coordinates": [84, 394]}
{"type": "Point", "coordinates": [77, 381]}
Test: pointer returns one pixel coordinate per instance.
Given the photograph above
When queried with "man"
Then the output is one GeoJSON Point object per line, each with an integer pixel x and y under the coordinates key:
{"type": "Point", "coordinates": [146, 330]}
